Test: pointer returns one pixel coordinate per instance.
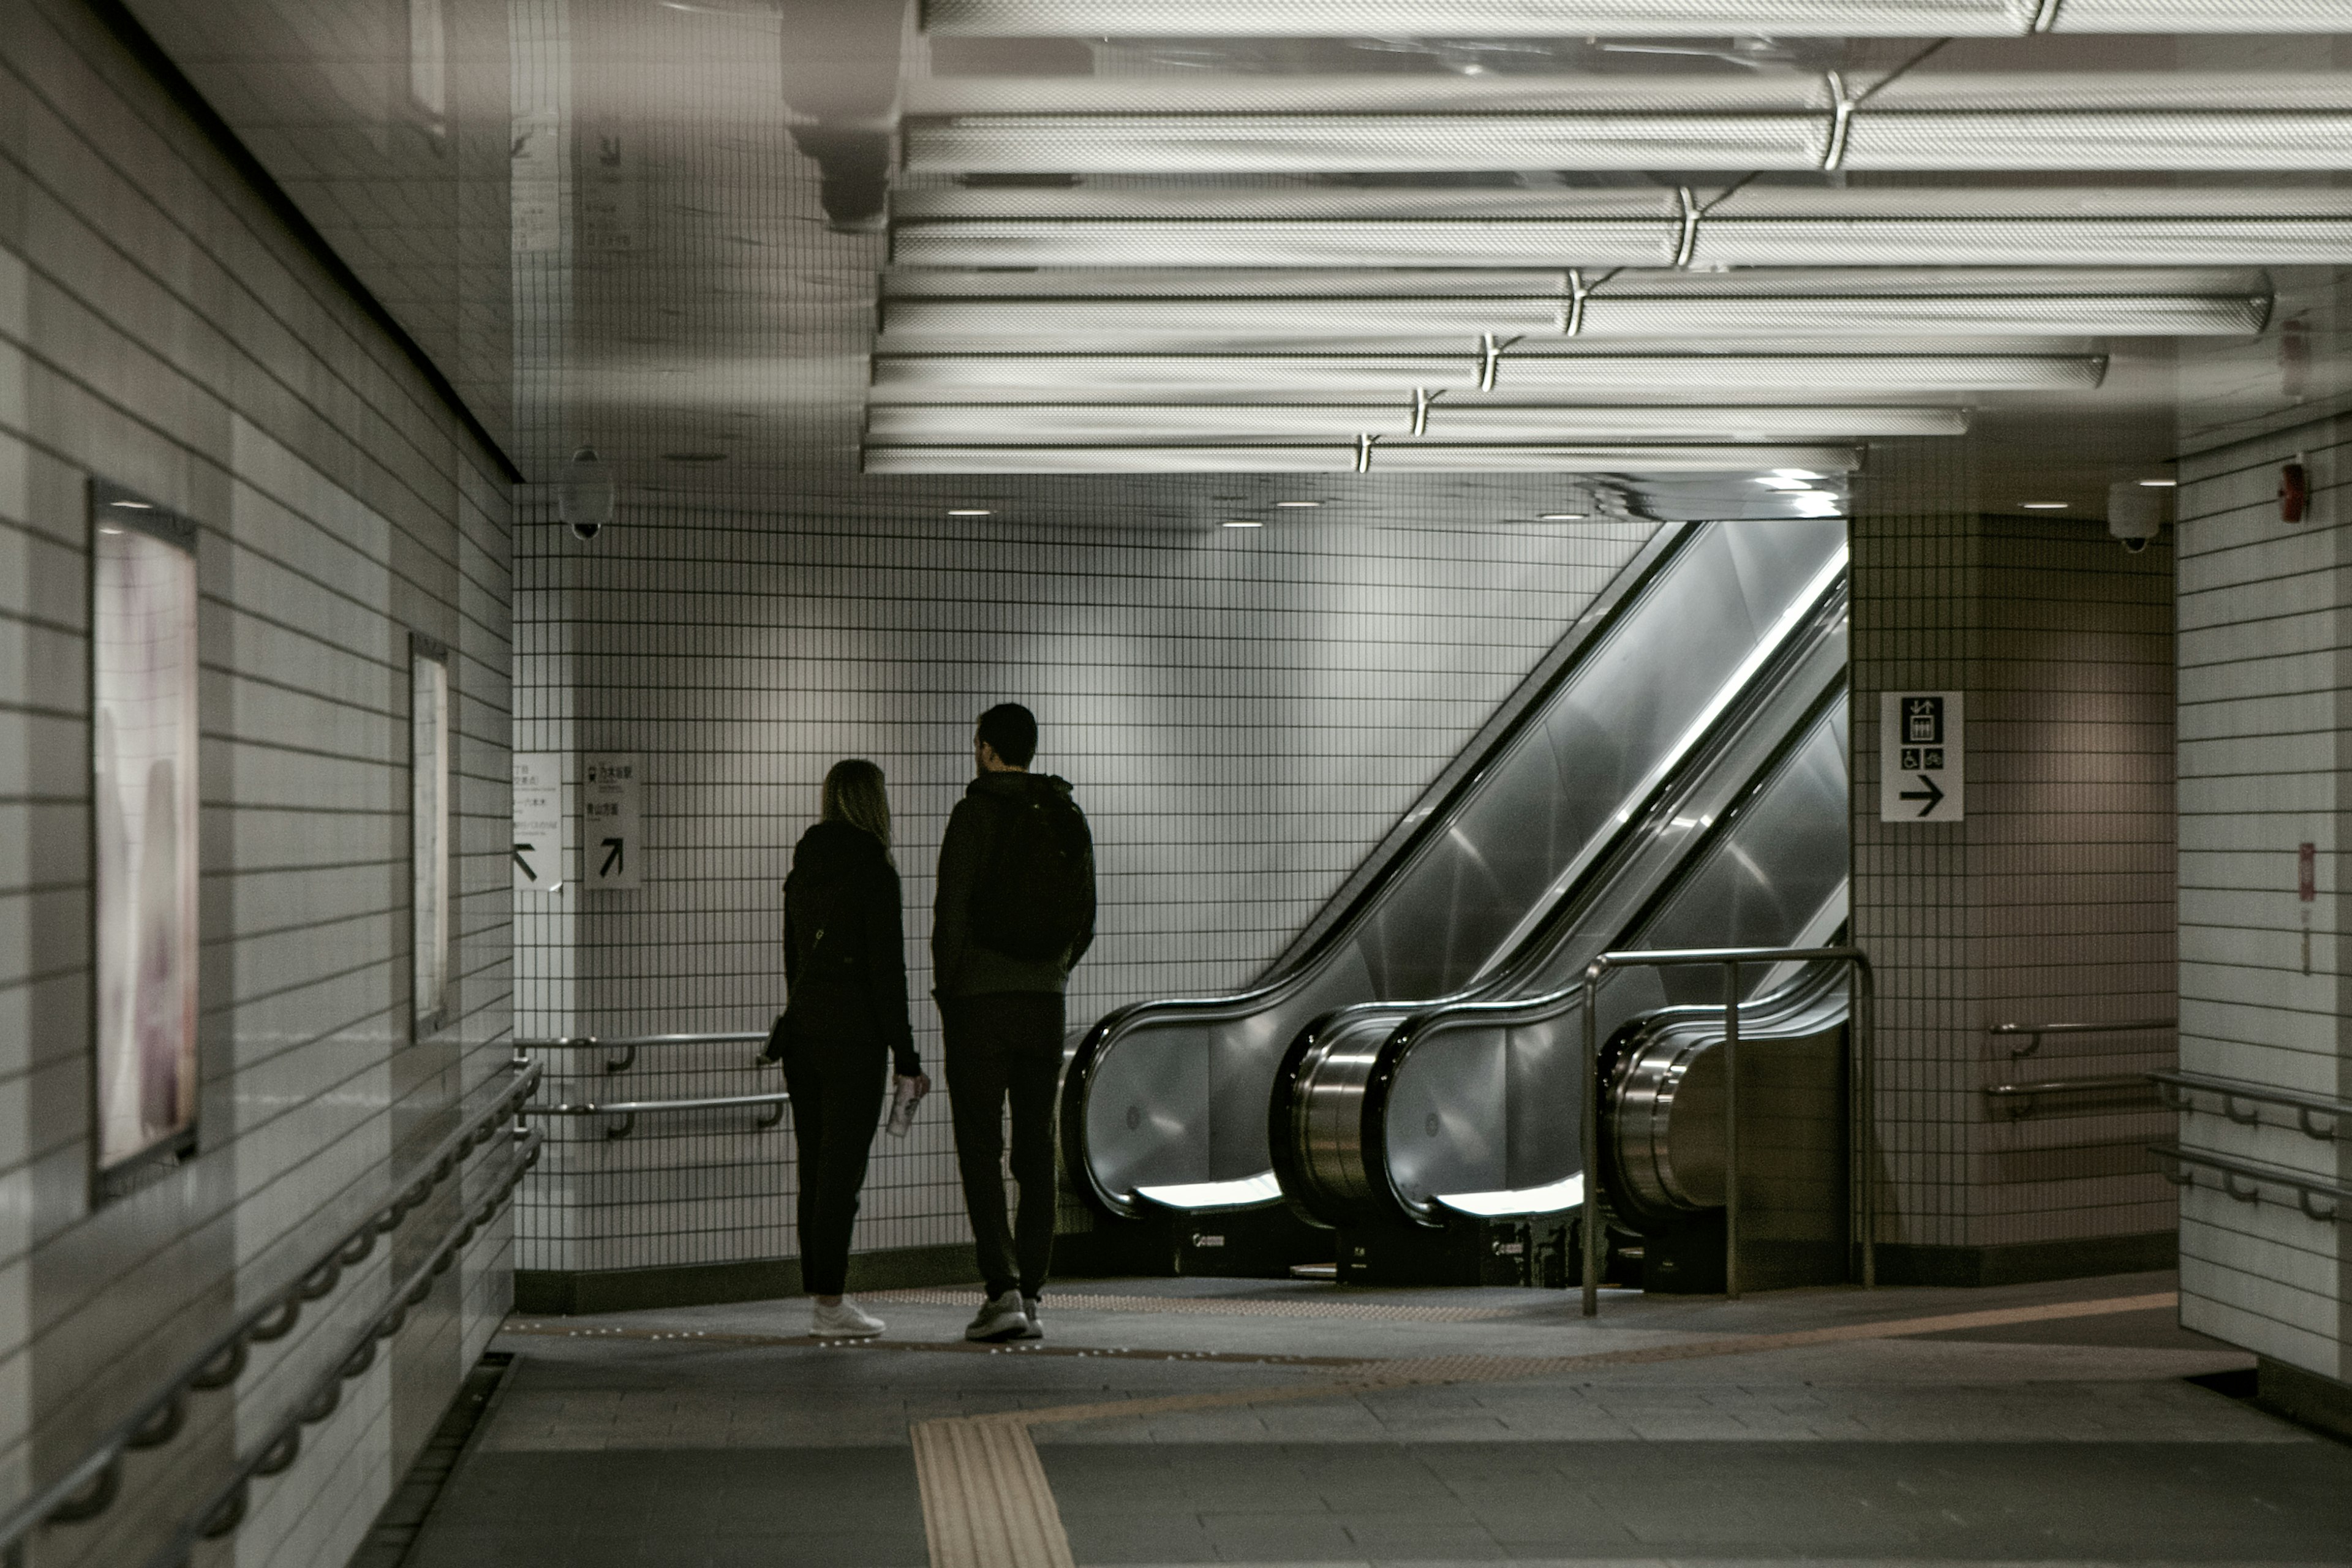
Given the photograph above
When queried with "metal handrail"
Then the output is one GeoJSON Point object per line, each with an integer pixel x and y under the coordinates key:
{"type": "Point", "coordinates": [225, 1507]}
{"type": "Point", "coordinates": [628, 1110]}
{"type": "Point", "coordinates": [89, 1487]}
{"type": "Point", "coordinates": [2035, 1031]}
{"type": "Point", "coordinates": [1731, 959]}
{"type": "Point", "coordinates": [628, 1045]}
{"type": "Point", "coordinates": [2020, 1096]}
{"type": "Point", "coordinates": [2256, 1172]}
{"type": "Point", "coordinates": [2179, 1090]}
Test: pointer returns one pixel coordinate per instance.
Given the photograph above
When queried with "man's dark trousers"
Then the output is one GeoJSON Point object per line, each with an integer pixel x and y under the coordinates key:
{"type": "Point", "coordinates": [1000, 1046]}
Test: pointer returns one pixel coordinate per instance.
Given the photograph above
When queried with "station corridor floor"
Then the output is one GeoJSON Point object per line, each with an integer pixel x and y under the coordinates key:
{"type": "Point", "coordinates": [1168, 1421]}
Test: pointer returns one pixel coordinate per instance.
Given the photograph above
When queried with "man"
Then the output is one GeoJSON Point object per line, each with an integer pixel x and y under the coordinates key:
{"type": "Point", "coordinates": [1015, 910]}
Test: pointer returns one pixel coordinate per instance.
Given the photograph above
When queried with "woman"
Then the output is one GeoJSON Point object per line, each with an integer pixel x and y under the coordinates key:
{"type": "Point", "coordinates": [845, 967]}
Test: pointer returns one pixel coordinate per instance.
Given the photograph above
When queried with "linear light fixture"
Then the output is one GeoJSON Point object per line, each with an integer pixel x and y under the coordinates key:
{"type": "Point", "coordinates": [1203, 227]}
{"type": "Point", "coordinates": [1511, 375]}
{"type": "Point", "coordinates": [1356, 456]}
{"type": "Point", "coordinates": [1437, 124]}
{"type": "Point", "coordinates": [2067, 138]}
{"type": "Point", "coordinates": [1645, 306]}
{"type": "Point", "coordinates": [1620, 18]}
{"type": "Point", "coordinates": [1439, 419]}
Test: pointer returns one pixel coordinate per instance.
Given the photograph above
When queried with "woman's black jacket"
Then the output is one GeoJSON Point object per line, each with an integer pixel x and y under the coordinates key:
{"type": "Point", "coordinates": [844, 946]}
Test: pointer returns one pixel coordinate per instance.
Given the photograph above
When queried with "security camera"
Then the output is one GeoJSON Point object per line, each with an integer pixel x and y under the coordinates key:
{"type": "Point", "coordinates": [2135, 513]}
{"type": "Point", "coordinates": [584, 501]}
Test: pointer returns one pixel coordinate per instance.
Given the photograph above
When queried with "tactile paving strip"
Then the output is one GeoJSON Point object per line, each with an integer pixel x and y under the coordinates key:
{"type": "Point", "coordinates": [1212, 1305]}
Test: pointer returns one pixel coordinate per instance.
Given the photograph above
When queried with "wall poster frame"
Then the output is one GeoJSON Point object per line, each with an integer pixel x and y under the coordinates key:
{"type": "Point", "coordinates": [145, 802]}
{"type": "Point", "coordinates": [431, 782]}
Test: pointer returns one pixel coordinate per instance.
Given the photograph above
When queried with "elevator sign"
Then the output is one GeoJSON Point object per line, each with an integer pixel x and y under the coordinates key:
{"type": "Point", "coordinates": [1921, 748]}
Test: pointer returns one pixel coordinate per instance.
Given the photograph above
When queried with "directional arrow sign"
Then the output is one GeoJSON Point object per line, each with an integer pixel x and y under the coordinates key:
{"type": "Point", "coordinates": [539, 821]}
{"type": "Point", "coordinates": [1922, 756]}
{"type": "Point", "coordinates": [611, 787]}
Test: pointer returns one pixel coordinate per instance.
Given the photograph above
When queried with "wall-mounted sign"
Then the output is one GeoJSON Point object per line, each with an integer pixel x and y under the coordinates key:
{"type": "Point", "coordinates": [539, 821]}
{"type": "Point", "coordinates": [611, 843]}
{"type": "Point", "coordinates": [1922, 745]}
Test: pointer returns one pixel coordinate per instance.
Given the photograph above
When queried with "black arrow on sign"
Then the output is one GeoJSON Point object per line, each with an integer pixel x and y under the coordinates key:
{"type": "Point", "coordinates": [1932, 794]}
{"type": "Point", "coordinates": [524, 863]}
{"type": "Point", "coordinates": [613, 856]}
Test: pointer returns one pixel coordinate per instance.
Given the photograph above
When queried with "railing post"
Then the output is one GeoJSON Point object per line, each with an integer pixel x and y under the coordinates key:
{"type": "Point", "coordinates": [1593, 1238]}
{"type": "Point", "coordinates": [1731, 1130]}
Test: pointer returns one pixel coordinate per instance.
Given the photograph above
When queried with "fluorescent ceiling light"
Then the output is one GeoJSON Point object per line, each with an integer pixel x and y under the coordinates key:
{"type": "Point", "coordinates": [1562, 516]}
{"type": "Point", "coordinates": [1441, 419]}
{"type": "Point", "coordinates": [2044, 505]}
{"type": "Point", "coordinates": [1619, 18]}
{"type": "Point", "coordinates": [1197, 226]}
{"type": "Point", "coordinates": [1242, 523]}
{"type": "Point", "coordinates": [1408, 123]}
{"type": "Point", "coordinates": [968, 511]}
{"type": "Point", "coordinates": [1351, 457]}
{"type": "Point", "coordinates": [1603, 308]}
{"type": "Point", "coordinates": [2159, 484]}
{"type": "Point", "coordinates": [1297, 503]}
{"type": "Point", "coordinates": [1799, 376]}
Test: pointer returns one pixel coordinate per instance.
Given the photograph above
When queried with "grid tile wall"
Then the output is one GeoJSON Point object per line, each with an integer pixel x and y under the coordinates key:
{"type": "Point", "coordinates": [159, 328]}
{"type": "Point", "coordinates": [2051, 901]}
{"type": "Point", "coordinates": [2264, 720]}
{"type": "Point", "coordinates": [1244, 714]}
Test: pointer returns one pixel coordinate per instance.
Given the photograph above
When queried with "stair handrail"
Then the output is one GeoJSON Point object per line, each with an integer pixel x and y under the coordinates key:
{"type": "Point", "coordinates": [90, 1484]}
{"type": "Point", "coordinates": [2180, 1089]}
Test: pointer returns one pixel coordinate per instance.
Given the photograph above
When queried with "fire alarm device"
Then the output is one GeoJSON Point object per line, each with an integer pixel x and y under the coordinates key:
{"type": "Point", "coordinates": [2294, 491]}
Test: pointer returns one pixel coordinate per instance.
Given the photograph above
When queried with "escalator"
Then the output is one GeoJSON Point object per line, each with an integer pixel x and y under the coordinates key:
{"type": "Point", "coordinates": [1408, 1117]}
{"type": "Point", "coordinates": [1666, 689]}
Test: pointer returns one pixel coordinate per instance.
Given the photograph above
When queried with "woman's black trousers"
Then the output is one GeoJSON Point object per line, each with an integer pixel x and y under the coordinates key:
{"type": "Point", "coordinates": [837, 1090]}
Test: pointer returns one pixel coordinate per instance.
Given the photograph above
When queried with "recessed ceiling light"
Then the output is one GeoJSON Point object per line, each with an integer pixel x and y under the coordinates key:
{"type": "Point", "coordinates": [1242, 523]}
{"type": "Point", "coordinates": [1562, 516]}
{"type": "Point", "coordinates": [1297, 503]}
{"type": "Point", "coordinates": [2158, 484]}
{"type": "Point", "coordinates": [970, 511]}
{"type": "Point", "coordinates": [103, 529]}
{"type": "Point", "coordinates": [132, 505]}
{"type": "Point", "coordinates": [2044, 505]}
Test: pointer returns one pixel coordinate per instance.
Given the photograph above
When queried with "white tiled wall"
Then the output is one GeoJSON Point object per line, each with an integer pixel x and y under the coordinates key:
{"type": "Point", "coordinates": [2265, 708]}
{"type": "Point", "coordinates": [1244, 713]}
{"type": "Point", "coordinates": [2051, 901]}
{"type": "Point", "coordinates": [161, 329]}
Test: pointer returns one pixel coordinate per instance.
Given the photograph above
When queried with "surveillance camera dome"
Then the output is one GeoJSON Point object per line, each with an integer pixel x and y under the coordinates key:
{"type": "Point", "coordinates": [585, 500]}
{"type": "Point", "coordinates": [2134, 514]}
{"type": "Point", "coordinates": [2134, 546]}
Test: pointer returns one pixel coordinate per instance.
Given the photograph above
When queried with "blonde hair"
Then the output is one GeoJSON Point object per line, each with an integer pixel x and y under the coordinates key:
{"type": "Point", "coordinates": [854, 795]}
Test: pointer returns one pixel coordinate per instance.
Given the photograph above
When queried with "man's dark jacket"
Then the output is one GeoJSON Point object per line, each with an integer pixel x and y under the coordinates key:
{"type": "Point", "coordinates": [845, 945]}
{"type": "Point", "coordinates": [961, 965]}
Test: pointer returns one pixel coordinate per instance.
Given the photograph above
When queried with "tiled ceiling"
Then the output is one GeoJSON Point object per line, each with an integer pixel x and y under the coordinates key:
{"type": "Point", "coordinates": [596, 215]}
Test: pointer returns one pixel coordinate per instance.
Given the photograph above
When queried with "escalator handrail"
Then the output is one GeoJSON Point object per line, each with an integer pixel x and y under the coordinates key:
{"type": "Point", "coordinates": [1702, 754]}
{"type": "Point", "coordinates": [1603, 614]}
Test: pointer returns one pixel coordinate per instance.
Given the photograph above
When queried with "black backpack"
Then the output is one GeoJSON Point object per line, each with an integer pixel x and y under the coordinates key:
{"type": "Point", "coordinates": [1033, 893]}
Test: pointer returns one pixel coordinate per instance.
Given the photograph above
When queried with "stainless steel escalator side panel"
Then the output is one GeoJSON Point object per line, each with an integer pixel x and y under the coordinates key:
{"type": "Point", "coordinates": [1781, 699]}
{"type": "Point", "coordinates": [1555, 785]}
{"type": "Point", "coordinates": [1760, 879]}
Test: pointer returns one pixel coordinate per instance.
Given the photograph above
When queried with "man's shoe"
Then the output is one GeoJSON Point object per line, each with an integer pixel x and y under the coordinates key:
{"type": "Point", "coordinates": [846, 1321]}
{"type": "Point", "coordinates": [1036, 1319]}
{"type": "Point", "coordinates": [1001, 1318]}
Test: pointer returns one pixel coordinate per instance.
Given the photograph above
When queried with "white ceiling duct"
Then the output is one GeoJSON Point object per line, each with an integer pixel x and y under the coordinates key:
{"type": "Point", "coordinates": [1414, 123]}
{"type": "Point", "coordinates": [1194, 227]}
{"type": "Point", "coordinates": [1797, 377]}
{"type": "Point", "coordinates": [1643, 305]}
{"type": "Point", "coordinates": [1358, 457]}
{"type": "Point", "coordinates": [1620, 18]}
{"type": "Point", "coordinates": [1439, 418]}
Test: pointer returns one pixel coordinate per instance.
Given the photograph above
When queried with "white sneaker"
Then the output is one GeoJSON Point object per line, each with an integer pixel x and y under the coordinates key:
{"type": "Point", "coordinates": [1036, 1329]}
{"type": "Point", "coordinates": [1001, 1318]}
{"type": "Point", "coordinates": [847, 1320]}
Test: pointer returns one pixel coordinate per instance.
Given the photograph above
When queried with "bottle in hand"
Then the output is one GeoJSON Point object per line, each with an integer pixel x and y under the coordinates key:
{"type": "Point", "coordinates": [904, 1097]}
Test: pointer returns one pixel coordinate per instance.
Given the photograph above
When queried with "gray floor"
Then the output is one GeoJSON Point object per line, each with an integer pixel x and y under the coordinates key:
{"type": "Point", "coordinates": [714, 1436]}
